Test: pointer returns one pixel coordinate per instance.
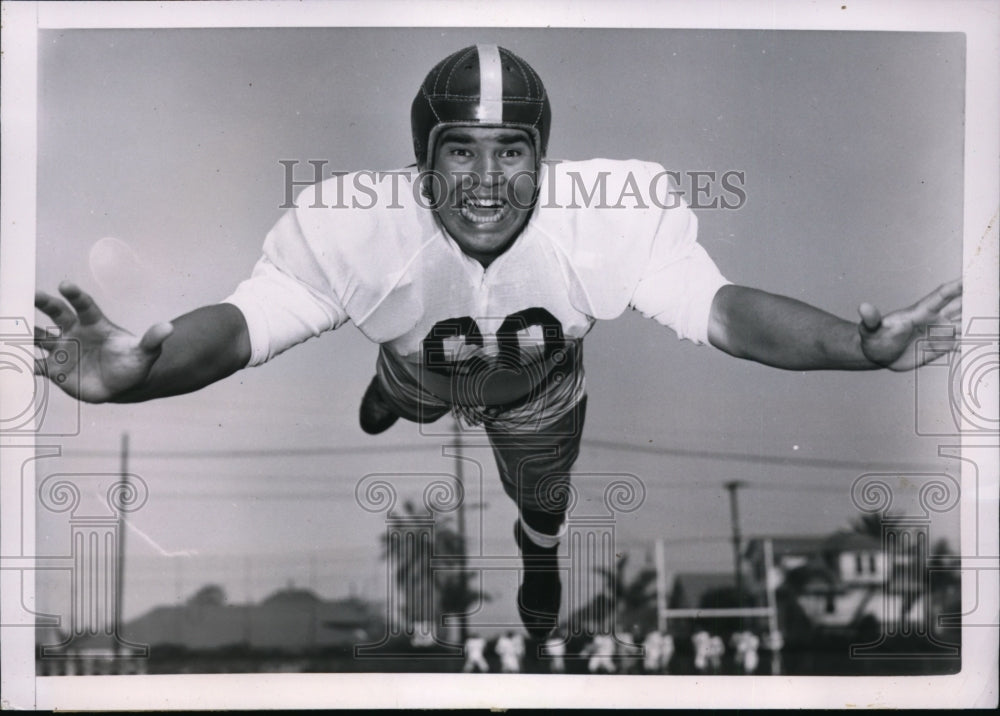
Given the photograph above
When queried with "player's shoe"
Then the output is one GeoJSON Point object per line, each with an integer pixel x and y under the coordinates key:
{"type": "Point", "coordinates": [375, 415]}
{"type": "Point", "coordinates": [540, 593]}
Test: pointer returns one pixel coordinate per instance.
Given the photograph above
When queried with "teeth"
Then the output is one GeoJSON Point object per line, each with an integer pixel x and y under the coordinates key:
{"type": "Point", "coordinates": [468, 215]}
{"type": "Point", "coordinates": [472, 210]}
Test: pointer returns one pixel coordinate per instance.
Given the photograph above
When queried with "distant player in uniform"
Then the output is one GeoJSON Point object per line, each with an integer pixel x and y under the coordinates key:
{"type": "Point", "coordinates": [702, 643]}
{"type": "Point", "coordinates": [510, 651]}
{"type": "Point", "coordinates": [602, 654]}
{"type": "Point", "coordinates": [478, 272]}
{"type": "Point", "coordinates": [716, 650]}
{"type": "Point", "coordinates": [666, 653]}
{"type": "Point", "coordinates": [555, 652]}
{"type": "Point", "coordinates": [629, 651]}
{"type": "Point", "coordinates": [475, 647]}
{"type": "Point", "coordinates": [652, 649]}
{"type": "Point", "coordinates": [745, 645]}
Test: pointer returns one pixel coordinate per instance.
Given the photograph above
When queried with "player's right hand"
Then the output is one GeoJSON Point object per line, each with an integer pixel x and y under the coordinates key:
{"type": "Point", "coordinates": [91, 358]}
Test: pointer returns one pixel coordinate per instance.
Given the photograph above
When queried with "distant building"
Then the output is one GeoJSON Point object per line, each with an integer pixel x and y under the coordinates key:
{"type": "Point", "coordinates": [788, 553]}
{"type": "Point", "coordinates": [835, 584]}
{"type": "Point", "coordinates": [851, 558]}
{"type": "Point", "coordinates": [290, 620]}
{"type": "Point", "coordinates": [856, 558]}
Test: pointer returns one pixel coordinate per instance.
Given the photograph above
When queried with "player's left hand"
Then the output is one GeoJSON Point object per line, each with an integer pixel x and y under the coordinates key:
{"type": "Point", "coordinates": [890, 340]}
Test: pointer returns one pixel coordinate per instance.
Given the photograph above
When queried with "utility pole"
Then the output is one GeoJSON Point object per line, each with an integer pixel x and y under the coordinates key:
{"type": "Point", "coordinates": [661, 587]}
{"type": "Point", "coordinates": [734, 514]}
{"type": "Point", "coordinates": [463, 627]}
{"type": "Point", "coordinates": [119, 609]}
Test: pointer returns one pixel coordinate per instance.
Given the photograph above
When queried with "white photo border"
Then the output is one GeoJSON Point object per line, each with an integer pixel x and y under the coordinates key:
{"type": "Point", "coordinates": [975, 685]}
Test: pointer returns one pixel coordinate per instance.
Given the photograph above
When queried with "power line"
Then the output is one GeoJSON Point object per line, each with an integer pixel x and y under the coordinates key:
{"type": "Point", "coordinates": [274, 452]}
{"type": "Point", "coordinates": [328, 496]}
{"type": "Point", "coordinates": [262, 496]}
{"type": "Point", "coordinates": [831, 489]}
{"type": "Point", "coordinates": [613, 445]}
{"type": "Point", "coordinates": [641, 543]}
{"type": "Point", "coordinates": [784, 460]}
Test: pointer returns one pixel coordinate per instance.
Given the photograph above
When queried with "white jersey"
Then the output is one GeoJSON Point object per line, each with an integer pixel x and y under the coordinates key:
{"type": "Point", "coordinates": [702, 643]}
{"type": "Point", "coordinates": [745, 644]}
{"type": "Point", "coordinates": [475, 646]}
{"type": "Point", "coordinates": [605, 236]}
{"type": "Point", "coordinates": [603, 648]}
{"type": "Point", "coordinates": [555, 649]}
{"type": "Point", "coordinates": [652, 650]}
{"type": "Point", "coordinates": [510, 654]}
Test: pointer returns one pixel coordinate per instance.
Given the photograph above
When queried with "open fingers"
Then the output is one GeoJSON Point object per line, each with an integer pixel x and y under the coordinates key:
{"type": "Point", "coordinates": [45, 339]}
{"type": "Point", "coordinates": [56, 309]}
{"type": "Point", "coordinates": [953, 310]}
{"type": "Point", "coordinates": [937, 307]}
{"type": "Point", "coordinates": [85, 307]}
{"type": "Point", "coordinates": [943, 295]}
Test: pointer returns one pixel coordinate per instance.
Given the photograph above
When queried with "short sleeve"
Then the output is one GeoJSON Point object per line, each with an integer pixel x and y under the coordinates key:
{"type": "Point", "coordinates": [680, 280]}
{"type": "Point", "coordinates": [287, 298]}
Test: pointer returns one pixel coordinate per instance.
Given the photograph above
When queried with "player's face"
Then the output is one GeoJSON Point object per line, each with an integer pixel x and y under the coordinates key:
{"type": "Point", "coordinates": [485, 187]}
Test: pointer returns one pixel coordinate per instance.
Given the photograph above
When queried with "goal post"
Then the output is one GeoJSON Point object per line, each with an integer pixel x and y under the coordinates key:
{"type": "Point", "coordinates": [664, 584]}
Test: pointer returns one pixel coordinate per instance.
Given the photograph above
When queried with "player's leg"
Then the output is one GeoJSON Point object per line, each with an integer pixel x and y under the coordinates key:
{"type": "Point", "coordinates": [534, 467]}
{"type": "Point", "coordinates": [393, 394]}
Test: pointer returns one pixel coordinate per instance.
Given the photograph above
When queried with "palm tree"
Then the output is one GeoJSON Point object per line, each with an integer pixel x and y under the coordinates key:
{"type": "Point", "coordinates": [454, 589]}
{"type": "Point", "coordinates": [869, 524]}
{"type": "Point", "coordinates": [412, 559]}
{"type": "Point", "coordinates": [623, 602]}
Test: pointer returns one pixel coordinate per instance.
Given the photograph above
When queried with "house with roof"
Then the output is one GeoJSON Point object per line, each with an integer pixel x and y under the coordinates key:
{"type": "Point", "coordinates": [835, 584]}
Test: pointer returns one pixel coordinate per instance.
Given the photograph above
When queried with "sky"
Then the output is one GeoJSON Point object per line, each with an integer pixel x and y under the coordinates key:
{"type": "Point", "coordinates": [159, 174]}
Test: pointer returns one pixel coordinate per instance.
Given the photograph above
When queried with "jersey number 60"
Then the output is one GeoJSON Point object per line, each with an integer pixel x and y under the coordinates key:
{"type": "Point", "coordinates": [510, 356]}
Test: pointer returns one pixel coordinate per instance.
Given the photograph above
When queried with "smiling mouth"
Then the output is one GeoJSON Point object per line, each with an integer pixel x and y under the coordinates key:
{"type": "Point", "coordinates": [483, 211]}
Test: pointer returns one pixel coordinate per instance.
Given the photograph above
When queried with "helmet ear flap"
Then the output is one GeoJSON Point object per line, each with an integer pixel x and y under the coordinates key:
{"type": "Point", "coordinates": [422, 121]}
{"type": "Point", "coordinates": [483, 85]}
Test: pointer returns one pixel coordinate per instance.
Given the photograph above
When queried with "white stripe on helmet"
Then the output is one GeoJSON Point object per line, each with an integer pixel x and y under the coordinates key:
{"type": "Point", "coordinates": [490, 85]}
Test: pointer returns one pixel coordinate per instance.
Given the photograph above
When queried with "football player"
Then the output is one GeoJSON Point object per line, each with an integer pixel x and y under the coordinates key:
{"type": "Point", "coordinates": [479, 271]}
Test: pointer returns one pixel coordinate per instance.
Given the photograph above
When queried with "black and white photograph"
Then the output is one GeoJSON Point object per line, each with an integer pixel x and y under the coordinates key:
{"type": "Point", "coordinates": [471, 357]}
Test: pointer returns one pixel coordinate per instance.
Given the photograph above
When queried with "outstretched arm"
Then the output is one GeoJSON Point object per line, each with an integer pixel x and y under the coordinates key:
{"type": "Point", "coordinates": [785, 333]}
{"type": "Point", "coordinates": [97, 361]}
